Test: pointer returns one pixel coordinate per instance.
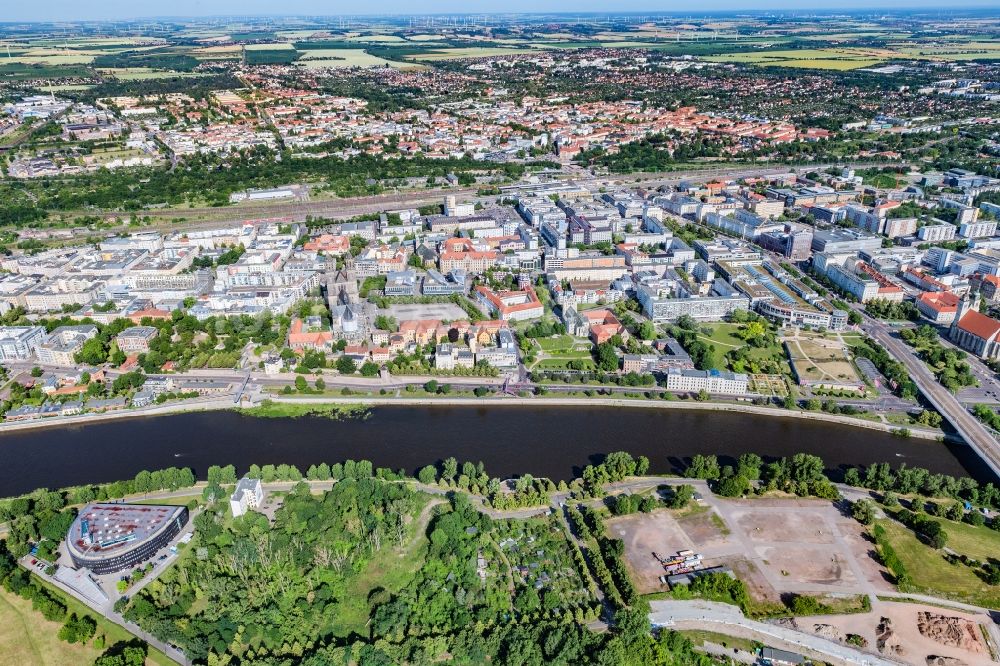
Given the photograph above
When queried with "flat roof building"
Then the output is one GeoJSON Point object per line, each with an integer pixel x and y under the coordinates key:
{"type": "Point", "coordinates": [107, 538]}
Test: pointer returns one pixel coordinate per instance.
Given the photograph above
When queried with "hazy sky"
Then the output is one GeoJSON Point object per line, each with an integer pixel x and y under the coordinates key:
{"type": "Point", "coordinates": [55, 10]}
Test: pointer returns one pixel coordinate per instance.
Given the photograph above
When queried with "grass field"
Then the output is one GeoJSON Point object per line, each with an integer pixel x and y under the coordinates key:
{"type": "Point", "coordinates": [834, 58]}
{"type": "Point", "coordinates": [28, 638]}
{"type": "Point", "coordinates": [932, 574]}
{"type": "Point", "coordinates": [322, 58]}
{"type": "Point", "coordinates": [471, 52]}
{"type": "Point", "coordinates": [724, 338]}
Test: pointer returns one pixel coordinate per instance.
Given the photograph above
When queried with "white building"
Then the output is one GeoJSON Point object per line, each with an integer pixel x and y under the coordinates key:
{"type": "Point", "coordinates": [20, 342]}
{"type": "Point", "coordinates": [712, 381]}
{"type": "Point", "coordinates": [249, 495]}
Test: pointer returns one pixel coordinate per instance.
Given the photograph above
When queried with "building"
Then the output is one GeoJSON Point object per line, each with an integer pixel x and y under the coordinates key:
{"type": "Point", "coordinates": [982, 229]}
{"type": "Point", "coordinates": [975, 332]}
{"type": "Point", "coordinates": [248, 496]}
{"type": "Point", "coordinates": [712, 381]}
{"type": "Point", "coordinates": [63, 343]}
{"type": "Point", "coordinates": [437, 284]}
{"type": "Point", "coordinates": [833, 241]}
{"type": "Point", "coordinates": [108, 538]}
{"type": "Point", "coordinates": [775, 657]}
{"type": "Point", "coordinates": [18, 343]}
{"type": "Point", "coordinates": [661, 305]}
{"type": "Point", "coordinates": [937, 233]}
{"type": "Point", "coordinates": [938, 306]}
{"type": "Point", "coordinates": [136, 339]}
{"type": "Point", "coordinates": [511, 305]}
{"type": "Point", "coordinates": [401, 283]}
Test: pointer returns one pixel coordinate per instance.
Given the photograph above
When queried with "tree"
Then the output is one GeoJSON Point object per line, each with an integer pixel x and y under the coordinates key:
{"type": "Point", "coordinates": [647, 331]}
{"type": "Point", "coordinates": [427, 475]}
{"type": "Point", "coordinates": [703, 467]}
{"type": "Point", "coordinates": [431, 386]}
{"type": "Point", "coordinates": [863, 511]}
{"type": "Point", "coordinates": [369, 369]}
{"type": "Point", "coordinates": [607, 358]}
{"type": "Point", "coordinates": [346, 365]}
{"type": "Point", "coordinates": [733, 485]}
{"type": "Point", "coordinates": [749, 466]}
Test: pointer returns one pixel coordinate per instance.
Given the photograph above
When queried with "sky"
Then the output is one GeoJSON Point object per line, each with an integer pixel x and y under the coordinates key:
{"type": "Point", "coordinates": [68, 10]}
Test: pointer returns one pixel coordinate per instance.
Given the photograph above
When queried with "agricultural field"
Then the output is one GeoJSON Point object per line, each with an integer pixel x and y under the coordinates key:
{"type": "Point", "coordinates": [834, 59]}
{"type": "Point", "coordinates": [471, 52]}
{"type": "Point", "coordinates": [321, 58]}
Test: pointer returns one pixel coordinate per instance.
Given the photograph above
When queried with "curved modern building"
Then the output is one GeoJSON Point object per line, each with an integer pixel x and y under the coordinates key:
{"type": "Point", "coordinates": [107, 538]}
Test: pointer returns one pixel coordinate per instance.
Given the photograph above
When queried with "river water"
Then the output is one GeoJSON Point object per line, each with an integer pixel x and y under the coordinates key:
{"type": "Point", "coordinates": [545, 441]}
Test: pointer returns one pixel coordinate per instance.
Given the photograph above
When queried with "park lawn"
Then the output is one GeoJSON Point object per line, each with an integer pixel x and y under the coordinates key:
{"type": "Point", "coordinates": [10, 611]}
{"type": "Point", "coordinates": [932, 574]}
{"type": "Point", "coordinates": [28, 638]}
{"type": "Point", "coordinates": [980, 543]}
{"type": "Point", "coordinates": [390, 570]}
{"type": "Point", "coordinates": [556, 343]}
{"type": "Point", "coordinates": [563, 363]}
{"type": "Point", "coordinates": [723, 337]}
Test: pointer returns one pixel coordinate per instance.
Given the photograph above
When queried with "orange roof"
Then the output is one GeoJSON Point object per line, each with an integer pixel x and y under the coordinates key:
{"type": "Point", "coordinates": [939, 301]}
{"type": "Point", "coordinates": [979, 325]}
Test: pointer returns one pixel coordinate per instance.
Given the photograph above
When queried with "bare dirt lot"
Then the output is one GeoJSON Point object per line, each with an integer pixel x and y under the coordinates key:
{"type": "Point", "coordinates": [645, 534]}
{"type": "Point", "coordinates": [814, 565]}
{"type": "Point", "coordinates": [911, 633]}
{"type": "Point", "coordinates": [798, 546]}
{"type": "Point", "coordinates": [781, 526]}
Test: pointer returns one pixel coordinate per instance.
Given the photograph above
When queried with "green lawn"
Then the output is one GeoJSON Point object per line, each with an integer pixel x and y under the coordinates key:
{"type": "Point", "coordinates": [556, 343]}
{"type": "Point", "coordinates": [562, 363]}
{"type": "Point", "coordinates": [112, 631]}
{"type": "Point", "coordinates": [723, 337]}
{"type": "Point", "coordinates": [932, 574]}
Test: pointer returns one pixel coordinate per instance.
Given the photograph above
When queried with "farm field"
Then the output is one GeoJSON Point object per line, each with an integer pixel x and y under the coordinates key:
{"type": "Point", "coordinates": [457, 53]}
{"type": "Point", "coordinates": [321, 58]}
{"type": "Point", "coordinates": [836, 59]}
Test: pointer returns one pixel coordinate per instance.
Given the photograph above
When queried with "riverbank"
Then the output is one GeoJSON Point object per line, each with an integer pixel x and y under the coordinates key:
{"type": "Point", "coordinates": [612, 402]}
{"type": "Point", "coordinates": [357, 401]}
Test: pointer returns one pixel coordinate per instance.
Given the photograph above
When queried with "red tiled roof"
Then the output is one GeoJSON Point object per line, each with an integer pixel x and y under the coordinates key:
{"type": "Point", "coordinates": [979, 325]}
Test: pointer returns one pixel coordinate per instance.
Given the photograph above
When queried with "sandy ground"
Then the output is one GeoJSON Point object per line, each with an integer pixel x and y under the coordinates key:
{"type": "Point", "coordinates": [664, 533]}
{"type": "Point", "coordinates": [916, 647]}
{"type": "Point", "coordinates": [799, 546]}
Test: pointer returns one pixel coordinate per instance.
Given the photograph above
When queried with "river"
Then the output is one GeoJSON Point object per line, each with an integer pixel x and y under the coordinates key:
{"type": "Point", "coordinates": [545, 441]}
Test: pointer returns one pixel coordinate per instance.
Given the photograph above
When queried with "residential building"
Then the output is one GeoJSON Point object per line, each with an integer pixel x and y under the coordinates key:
{"type": "Point", "coordinates": [938, 306]}
{"type": "Point", "coordinates": [248, 496]}
{"type": "Point", "coordinates": [136, 339]}
{"type": "Point", "coordinates": [63, 343]}
{"type": "Point", "coordinates": [18, 343]}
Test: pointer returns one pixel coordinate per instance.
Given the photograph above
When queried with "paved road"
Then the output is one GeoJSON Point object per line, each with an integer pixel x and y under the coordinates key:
{"type": "Point", "coordinates": [704, 614]}
{"type": "Point", "coordinates": [968, 426]}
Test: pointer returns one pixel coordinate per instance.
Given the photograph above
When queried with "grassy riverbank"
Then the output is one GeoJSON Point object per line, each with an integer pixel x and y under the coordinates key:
{"type": "Point", "coordinates": [283, 410]}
